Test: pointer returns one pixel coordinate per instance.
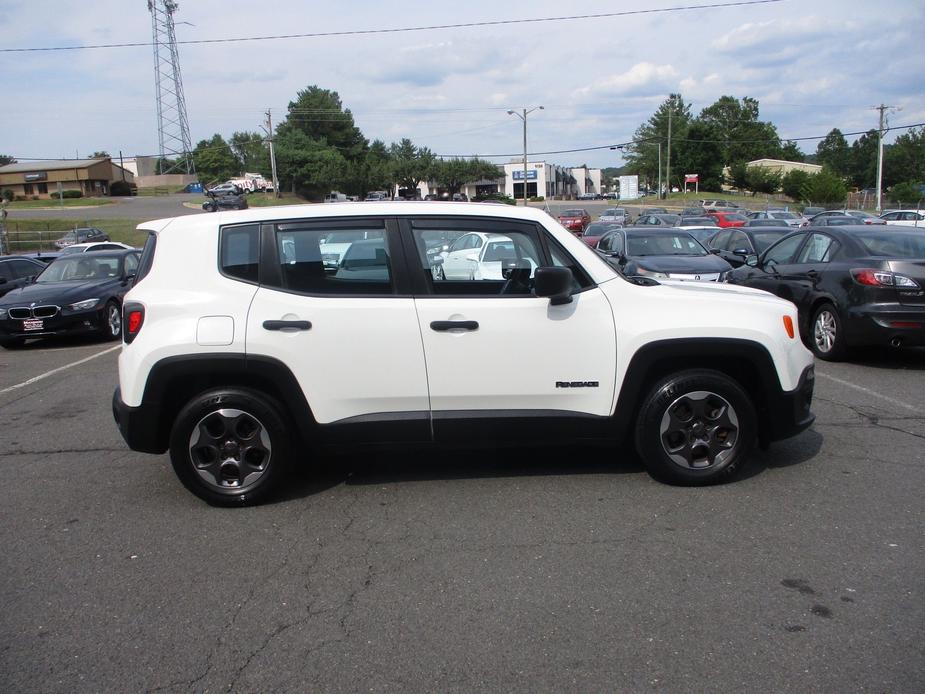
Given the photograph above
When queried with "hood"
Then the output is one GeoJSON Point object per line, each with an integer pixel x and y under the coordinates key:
{"type": "Point", "coordinates": [680, 263]}
{"type": "Point", "coordinates": [61, 293]}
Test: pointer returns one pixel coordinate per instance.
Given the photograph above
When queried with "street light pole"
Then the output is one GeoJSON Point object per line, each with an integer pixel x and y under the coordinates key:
{"type": "Point", "coordinates": [523, 117]}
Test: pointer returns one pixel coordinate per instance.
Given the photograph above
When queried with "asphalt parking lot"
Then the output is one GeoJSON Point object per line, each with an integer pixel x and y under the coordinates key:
{"type": "Point", "coordinates": [516, 570]}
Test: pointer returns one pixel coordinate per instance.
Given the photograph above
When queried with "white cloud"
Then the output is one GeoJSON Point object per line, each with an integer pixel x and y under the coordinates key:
{"type": "Point", "coordinates": [641, 78]}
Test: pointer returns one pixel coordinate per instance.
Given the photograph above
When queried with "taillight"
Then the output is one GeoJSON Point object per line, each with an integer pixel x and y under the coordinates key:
{"type": "Point", "coordinates": [133, 317]}
{"type": "Point", "coordinates": [872, 277]}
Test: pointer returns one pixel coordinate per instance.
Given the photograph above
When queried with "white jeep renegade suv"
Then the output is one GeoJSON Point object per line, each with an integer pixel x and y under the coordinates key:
{"type": "Point", "coordinates": [244, 348]}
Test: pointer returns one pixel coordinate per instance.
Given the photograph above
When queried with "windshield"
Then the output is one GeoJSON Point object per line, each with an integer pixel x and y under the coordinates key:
{"type": "Point", "coordinates": [85, 266]}
{"type": "Point", "coordinates": [904, 244]}
{"type": "Point", "coordinates": [597, 229]}
{"type": "Point", "coordinates": [614, 212]}
{"type": "Point", "coordinates": [648, 243]}
{"type": "Point", "coordinates": [783, 215]}
{"type": "Point", "coordinates": [573, 213]}
{"type": "Point", "coordinates": [698, 221]}
{"type": "Point", "coordinates": [734, 217]}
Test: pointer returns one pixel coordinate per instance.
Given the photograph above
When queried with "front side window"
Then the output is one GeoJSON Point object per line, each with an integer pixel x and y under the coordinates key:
{"type": "Point", "coordinates": [782, 252]}
{"type": "Point", "coordinates": [240, 252]}
{"type": "Point", "coordinates": [318, 260]}
{"type": "Point", "coordinates": [484, 263]}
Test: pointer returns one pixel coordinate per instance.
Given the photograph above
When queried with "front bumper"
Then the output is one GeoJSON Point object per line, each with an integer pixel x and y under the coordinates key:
{"type": "Point", "coordinates": [71, 323]}
{"type": "Point", "coordinates": [138, 425]}
{"type": "Point", "coordinates": [789, 412]}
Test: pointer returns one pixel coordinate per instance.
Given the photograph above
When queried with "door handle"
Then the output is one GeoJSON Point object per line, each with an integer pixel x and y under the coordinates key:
{"type": "Point", "coordinates": [283, 324]}
{"type": "Point", "coordinates": [444, 325]}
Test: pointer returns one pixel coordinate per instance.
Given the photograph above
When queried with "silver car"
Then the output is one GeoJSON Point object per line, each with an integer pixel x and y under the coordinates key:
{"type": "Point", "coordinates": [614, 215]}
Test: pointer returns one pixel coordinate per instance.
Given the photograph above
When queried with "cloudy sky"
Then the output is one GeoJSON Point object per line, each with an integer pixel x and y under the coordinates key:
{"type": "Point", "coordinates": [813, 65]}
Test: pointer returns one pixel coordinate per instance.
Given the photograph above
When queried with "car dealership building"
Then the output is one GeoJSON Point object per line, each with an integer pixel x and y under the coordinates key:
{"type": "Point", "coordinates": [43, 178]}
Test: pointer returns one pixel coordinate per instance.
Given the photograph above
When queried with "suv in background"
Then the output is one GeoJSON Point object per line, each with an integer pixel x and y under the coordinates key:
{"type": "Point", "coordinates": [267, 350]}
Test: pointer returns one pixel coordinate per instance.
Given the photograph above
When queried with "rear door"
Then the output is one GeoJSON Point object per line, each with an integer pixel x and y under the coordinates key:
{"type": "Point", "coordinates": [494, 349]}
{"type": "Point", "coordinates": [348, 332]}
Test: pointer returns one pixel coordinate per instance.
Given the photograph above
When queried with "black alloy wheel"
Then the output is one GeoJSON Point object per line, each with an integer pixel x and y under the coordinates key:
{"type": "Point", "coordinates": [230, 446]}
{"type": "Point", "coordinates": [695, 427]}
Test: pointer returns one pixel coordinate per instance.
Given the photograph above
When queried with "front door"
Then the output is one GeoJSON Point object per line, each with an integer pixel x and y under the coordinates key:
{"type": "Point", "coordinates": [491, 346]}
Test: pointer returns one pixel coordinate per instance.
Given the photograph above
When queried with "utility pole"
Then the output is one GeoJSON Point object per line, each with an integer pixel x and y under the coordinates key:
{"type": "Point", "coordinates": [524, 119]}
{"type": "Point", "coordinates": [882, 108]}
{"type": "Point", "coordinates": [668, 155]}
{"type": "Point", "coordinates": [268, 128]}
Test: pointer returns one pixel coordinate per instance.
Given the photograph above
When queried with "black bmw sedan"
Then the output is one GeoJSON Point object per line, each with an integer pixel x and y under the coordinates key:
{"type": "Point", "coordinates": [75, 294]}
{"type": "Point", "coordinates": [858, 285]}
{"type": "Point", "coordinates": [661, 254]}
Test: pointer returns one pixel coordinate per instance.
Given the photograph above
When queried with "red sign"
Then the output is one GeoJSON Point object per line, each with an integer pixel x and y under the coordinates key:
{"type": "Point", "coordinates": [691, 178]}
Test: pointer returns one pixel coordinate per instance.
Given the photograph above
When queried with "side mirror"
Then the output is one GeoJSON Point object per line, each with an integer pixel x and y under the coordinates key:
{"type": "Point", "coordinates": [437, 260]}
{"type": "Point", "coordinates": [714, 251]}
{"type": "Point", "coordinates": [555, 283]}
{"type": "Point", "coordinates": [741, 251]}
{"type": "Point", "coordinates": [752, 261]}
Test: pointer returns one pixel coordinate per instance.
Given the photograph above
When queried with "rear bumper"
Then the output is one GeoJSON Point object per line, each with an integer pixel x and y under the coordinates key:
{"type": "Point", "coordinates": [789, 411]}
{"type": "Point", "coordinates": [886, 324]}
{"type": "Point", "coordinates": [138, 425]}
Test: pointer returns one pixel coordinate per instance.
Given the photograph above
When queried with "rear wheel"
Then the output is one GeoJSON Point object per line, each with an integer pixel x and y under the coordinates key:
{"type": "Point", "coordinates": [827, 338]}
{"type": "Point", "coordinates": [695, 427]}
{"type": "Point", "coordinates": [230, 446]}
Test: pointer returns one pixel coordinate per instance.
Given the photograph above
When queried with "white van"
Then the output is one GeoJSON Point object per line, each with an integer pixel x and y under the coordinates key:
{"type": "Point", "coordinates": [334, 196]}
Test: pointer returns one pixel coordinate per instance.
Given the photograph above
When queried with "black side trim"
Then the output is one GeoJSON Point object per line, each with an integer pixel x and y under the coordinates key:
{"type": "Point", "coordinates": [380, 428]}
{"type": "Point", "coordinates": [490, 426]}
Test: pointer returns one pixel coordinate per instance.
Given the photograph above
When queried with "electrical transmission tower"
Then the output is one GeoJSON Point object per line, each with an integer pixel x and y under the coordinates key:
{"type": "Point", "coordinates": [172, 125]}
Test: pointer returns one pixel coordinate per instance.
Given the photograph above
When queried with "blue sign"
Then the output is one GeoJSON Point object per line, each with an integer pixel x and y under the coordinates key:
{"type": "Point", "coordinates": [518, 174]}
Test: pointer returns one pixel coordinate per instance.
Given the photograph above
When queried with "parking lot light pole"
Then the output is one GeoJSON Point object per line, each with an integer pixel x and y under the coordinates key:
{"type": "Point", "coordinates": [523, 117]}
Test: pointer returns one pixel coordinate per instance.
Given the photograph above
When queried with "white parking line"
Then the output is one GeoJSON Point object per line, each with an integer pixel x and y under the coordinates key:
{"type": "Point", "coordinates": [870, 392]}
{"type": "Point", "coordinates": [59, 369]}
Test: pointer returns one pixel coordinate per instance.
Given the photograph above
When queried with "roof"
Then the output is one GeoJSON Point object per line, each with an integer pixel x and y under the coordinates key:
{"type": "Point", "coordinates": [49, 165]}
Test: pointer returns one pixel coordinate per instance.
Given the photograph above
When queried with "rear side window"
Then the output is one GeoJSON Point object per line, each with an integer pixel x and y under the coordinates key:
{"type": "Point", "coordinates": [240, 252]}
{"type": "Point", "coordinates": [147, 258]}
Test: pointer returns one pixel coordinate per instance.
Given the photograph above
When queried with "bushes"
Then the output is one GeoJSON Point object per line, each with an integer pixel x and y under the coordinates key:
{"type": "Point", "coordinates": [66, 194]}
{"type": "Point", "coordinates": [906, 193]}
{"type": "Point", "coordinates": [123, 188]}
{"type": "Point", "coordinates": [6, 195]}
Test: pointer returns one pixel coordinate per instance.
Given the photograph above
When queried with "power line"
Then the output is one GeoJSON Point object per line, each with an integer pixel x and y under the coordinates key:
{"type": "Point", "coordinates": [362, 32]}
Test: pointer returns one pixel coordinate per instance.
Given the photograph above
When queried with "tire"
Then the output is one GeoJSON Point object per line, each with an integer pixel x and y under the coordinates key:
{"type": "Point", "coordinates": [12, 343]}
{"type": "Point", "coordinates": [695, 428]}
{"type": "Point", "coordinates": [826, 334]}
{"type": "Point", "coordinates": [230, 446]}
{"type": "Point", "coordinates": [111, 325]}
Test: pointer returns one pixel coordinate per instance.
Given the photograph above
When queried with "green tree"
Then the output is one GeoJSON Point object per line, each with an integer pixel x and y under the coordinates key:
{"type": "Point", "coordinates": [904, 160]}
{"type": "Point", "coordinates": [863, 173]}
{"type": "Point", "coordinates": [319, 114]}
{"type": "Point", "coordinates": [833, 153]}
{"type": "Point", "coordinates": [102, 154]}
{"type": "Point", "coordinates": [761, 179]}
{"type": "Point", "coordinates": [308, 167]}
{"type": "Point", "coordinates": [453, 174]}
{"type": "Point", "coordinates": [906, 193]}
{"type": "Point", "coordinates": [738, 175]}
{"type": "Point", "coordinates": [214, 160]}
{"type": "Point", "coordinates": [251, 151]}
{"type": "Point", "coordinates": [824, 188]}
{"type": "Point", "coordinates": [792, 152]}
{"type": "Point", "coordinates": [643, 159]}
{"type": "Point", "coordinates": [744, 137]}
{"type": "Point", "coordinates": [410, 164]}
{"type": "Point", "coordinates": [793, 182]}
{"type": "Point", "coordinates": [701, 154]}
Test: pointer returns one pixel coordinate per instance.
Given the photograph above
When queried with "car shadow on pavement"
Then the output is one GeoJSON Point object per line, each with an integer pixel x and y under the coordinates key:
{"type": "Point", "coordinates": [909, 358]}
{"type": "Point", "coordinates": [381, 467]}
{"type": "Point", "coordinates": [34, 345]}
{"type": "Point", "coordinates": [795, 451]}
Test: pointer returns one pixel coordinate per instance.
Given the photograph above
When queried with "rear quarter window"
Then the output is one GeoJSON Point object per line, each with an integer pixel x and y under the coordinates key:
{"type": "Point", "coordinates": [239, 255]}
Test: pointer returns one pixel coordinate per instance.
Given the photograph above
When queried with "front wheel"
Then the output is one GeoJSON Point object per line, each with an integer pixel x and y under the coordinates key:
{"type": "Point", "coordinates": [230, 446]}
{"type": "Point", "coordinates": [827, 338]}
{"type": "Point", "coordinates": [695, 427]}
{"type": "Point", "coordinates": [111, 325]}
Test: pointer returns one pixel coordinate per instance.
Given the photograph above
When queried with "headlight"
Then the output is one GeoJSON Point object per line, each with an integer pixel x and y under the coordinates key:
{"type": "Point", "coordinates": [645, 272]}
{"type": "Point", "coordinates": [83, 305]}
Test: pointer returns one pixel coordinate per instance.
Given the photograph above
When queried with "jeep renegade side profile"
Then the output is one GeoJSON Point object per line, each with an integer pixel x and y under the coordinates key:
{"type": "Point", "coordinates": [249, 342]}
